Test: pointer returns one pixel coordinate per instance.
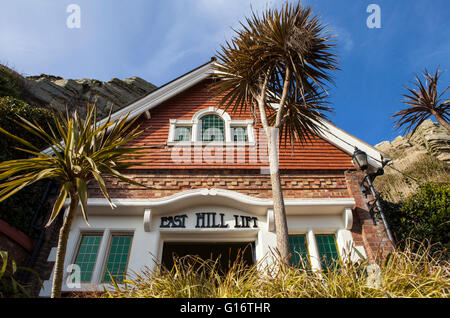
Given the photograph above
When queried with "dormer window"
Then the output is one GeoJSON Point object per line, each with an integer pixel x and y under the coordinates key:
{"type": "Point", "coordinates": [182, 134]}
{"type": "Point", "coordinates": [211, 126]}
{"type": "Point", "coordinates": [239, 134]}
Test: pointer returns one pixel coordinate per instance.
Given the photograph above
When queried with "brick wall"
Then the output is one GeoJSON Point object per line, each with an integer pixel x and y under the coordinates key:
{"type": "Point", "coordinates": [296, 184]}
{"type": "Point", "coordinates": [300, 184]}
{"type": "Point", "coordinates": [317, 154]}
{"type": "Point", "coordinates": [366, 231]}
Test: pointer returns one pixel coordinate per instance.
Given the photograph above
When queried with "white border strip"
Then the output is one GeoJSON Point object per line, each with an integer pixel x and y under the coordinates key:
{"type": "Point", "coordinates": [239, 197]}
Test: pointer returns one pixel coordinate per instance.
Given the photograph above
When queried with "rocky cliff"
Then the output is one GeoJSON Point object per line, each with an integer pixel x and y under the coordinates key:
{"type": "Point", "coordinates": [430, 138]}
{"type": "Point", "coordinates": [57, 92]}
{"type": "Point", "coordinates": [421, 157]}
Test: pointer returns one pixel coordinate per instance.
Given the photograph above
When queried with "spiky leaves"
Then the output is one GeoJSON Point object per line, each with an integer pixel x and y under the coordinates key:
{"type": "Point", "coordinates": [292, 49]}
{"type": "Point", "coordinates": [302, 118]}
{"type": "Point", "coordinates": [277, 65]}
{"type": "Point", "coordinates": [423, 101]}
{"type": "Point", "coordinates": [82, 150]}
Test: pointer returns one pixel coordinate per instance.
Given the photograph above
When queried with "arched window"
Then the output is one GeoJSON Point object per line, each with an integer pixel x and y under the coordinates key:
{"type": "Point", "coordinates": [212, 128]}
{"type": "Point", "coordinates": [211, 125]}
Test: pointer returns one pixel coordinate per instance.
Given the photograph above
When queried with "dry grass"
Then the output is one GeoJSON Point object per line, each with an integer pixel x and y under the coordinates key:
{"type": "Point", "coordinates": [404, 274]}
{"type": "Point", "coordinates": [395, 187]}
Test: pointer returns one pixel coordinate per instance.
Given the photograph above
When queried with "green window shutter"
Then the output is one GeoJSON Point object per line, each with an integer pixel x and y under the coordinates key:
{"type": "Point", "coordinates": [213, 128]}
{"type": "Point", "coordinates": [239, 133]}
{"type": "Point", "coordinates": [87, 255]}
{"type": "Point", "coordinates": [299, 251]}
{"type": "Point", "coordinates": [328, 253]}
{"type": "Point", "coordinates": [182, 134]}
{"type": "Point", "coordinates": [118, 258]}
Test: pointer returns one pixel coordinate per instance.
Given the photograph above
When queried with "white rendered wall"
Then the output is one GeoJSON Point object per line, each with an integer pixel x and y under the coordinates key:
{"type": "Point", "coordinates": [147, 245]}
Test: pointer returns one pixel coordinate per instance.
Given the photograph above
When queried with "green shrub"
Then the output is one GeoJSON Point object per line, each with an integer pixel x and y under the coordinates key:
{"type": "Point", "coordinates": [10, 108]}
{"type": "Point", "coordinates": [18, 210]}
{"type": "Point", "coordinates": [11, 83]}
{"type": "Point", "coordinates": [10, 286]}
{"type": "Point", "coordinates": [423, 215]}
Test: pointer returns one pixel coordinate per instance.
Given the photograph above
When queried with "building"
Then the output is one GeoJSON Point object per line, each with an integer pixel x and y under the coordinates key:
{"type": "Point", "coordinates": [208, 190]}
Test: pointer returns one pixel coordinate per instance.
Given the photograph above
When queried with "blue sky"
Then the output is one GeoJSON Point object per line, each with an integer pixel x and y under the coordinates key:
{"type": "Point", "coordinates": [161, 40]}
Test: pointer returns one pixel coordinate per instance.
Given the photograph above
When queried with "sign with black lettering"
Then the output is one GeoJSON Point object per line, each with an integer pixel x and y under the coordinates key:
{"type": "Point", "coordinates": [209, 220]}
{"type": "Point", "coordinates": [177, 221]}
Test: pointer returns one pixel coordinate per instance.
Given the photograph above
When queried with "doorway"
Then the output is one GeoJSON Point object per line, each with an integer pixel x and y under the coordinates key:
{"type": "Point", "coordinates": [226, 253]}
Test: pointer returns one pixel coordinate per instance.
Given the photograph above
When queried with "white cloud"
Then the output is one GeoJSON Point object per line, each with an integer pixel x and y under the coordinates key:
{"type": "Point", "coordinates": [198, 28]}
{"type": "Point", "coordinates": [343, 37]}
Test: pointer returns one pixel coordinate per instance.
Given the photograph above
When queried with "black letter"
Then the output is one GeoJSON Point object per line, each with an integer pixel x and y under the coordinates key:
{"type": "Point", "coordinates": [200, 217]}
{"type": "Point", "coordinates": [163, 222]}
{"type": "Point", "coordinates": [222, 223]}
{"type": "Point", "coordinates": [236, 221]}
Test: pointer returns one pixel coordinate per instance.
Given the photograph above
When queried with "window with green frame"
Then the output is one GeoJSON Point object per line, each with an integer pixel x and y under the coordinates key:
{"type": "Point", "coordinates": [213, 128]}
{"type": "Point", "coordinates": [299, 251]}
{"type": "Point", "coordinates": [87, 255]}
{"type": "Point", "coordinates": [182, 134]}
{"type": "Point", "coordinates": [328, 253]}
{"type": "Point", "coordinates": [117, 261]}
{"type": "Point", "coordinates": [239, 133]}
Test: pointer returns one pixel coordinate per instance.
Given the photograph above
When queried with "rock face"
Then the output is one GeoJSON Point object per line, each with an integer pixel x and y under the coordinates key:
{"type": "Point", "coordinates": [423, 157]}
{"type": "Point", "coordinates": [429, 138]}
{"type": "Point", "coordinates": [58, 92]}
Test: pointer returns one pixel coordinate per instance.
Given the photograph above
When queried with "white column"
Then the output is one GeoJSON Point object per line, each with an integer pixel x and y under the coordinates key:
{"type": "Point", "coordinates": [250, 133]}
{"type": "Point", "coordinates": [227, 130]}
{"type": "Point", "coordinates": [97, 274]}
{"type": "Point", "coordinates": [172, 130]}
{"type": "Point", "coordinates": [147, 220]}
{"type": "Point", "coordinates": [195, 131]}
{"type": "Point", "coordinates": [313, 251]}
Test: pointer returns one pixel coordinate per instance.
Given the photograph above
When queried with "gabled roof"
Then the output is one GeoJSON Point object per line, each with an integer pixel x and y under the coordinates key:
{"type": "Point", "coordinates": [166, 92]}
{"type": "Point", "coordinates": [330, 133]}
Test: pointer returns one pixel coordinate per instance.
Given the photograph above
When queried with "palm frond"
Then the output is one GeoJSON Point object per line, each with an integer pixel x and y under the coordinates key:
{"type": "Point", "coordinates": [293, 46]}
{"type": "Point", "coordinates": [83, 149]}
{"type": "Point", "coordinates": [423, 101]}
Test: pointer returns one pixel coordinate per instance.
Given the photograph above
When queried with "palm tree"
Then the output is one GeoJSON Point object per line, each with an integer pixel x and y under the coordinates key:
{"type": "Point", "coordinates": [424, 102]}
{"type": "Point", "coordinates": [81, 150]}
{"type": "Point", "coordinates": [277, 66]}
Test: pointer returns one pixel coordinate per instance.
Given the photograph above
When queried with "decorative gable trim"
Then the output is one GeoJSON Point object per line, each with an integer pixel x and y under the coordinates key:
{"type": "Point", "coordinates": [160, 95]}
{"type": "Point", "coordinates": [165, 92]}
{"type": "Point", "coordinates": [347, 143]}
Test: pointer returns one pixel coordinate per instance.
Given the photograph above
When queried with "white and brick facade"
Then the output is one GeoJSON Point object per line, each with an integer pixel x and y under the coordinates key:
{"type": "Point", "coordinates": [224, 183]}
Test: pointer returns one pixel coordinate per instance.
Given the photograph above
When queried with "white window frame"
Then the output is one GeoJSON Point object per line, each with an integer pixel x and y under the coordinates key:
{"type": "Point", "coordinates": [107, 252]}
{"type": "Point", "coordinates": [181, 126]}
{"type": "Point", "coordinates": [81, 234]}
{"type": "Point", "coordinates": [195, 123]}
{"type": "Point", "coordinates": [103, 252]}
{"type": "Point", "coordinates": [311, 245]}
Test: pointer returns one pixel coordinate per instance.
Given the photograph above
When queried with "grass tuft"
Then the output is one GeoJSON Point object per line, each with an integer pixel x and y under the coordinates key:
{"type": "Point", "coordinates": [411, 272]}
{"type": "Point", "coordinates": [395, 187]}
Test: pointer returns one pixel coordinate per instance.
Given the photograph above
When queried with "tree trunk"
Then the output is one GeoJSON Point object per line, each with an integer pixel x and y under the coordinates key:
{"type": "Point", "coordinates": [272, 134]}
{"type": "Point", "coordinates": [279, 210]}
{"type": "Point", "coordinates": [442, 121]}
{"type": "Point", "coordinates": [62, 245]}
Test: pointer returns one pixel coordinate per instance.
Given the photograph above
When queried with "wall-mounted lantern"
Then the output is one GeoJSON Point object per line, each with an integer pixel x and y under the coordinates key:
{"type": "Point", "coordinates": [360, 161]}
